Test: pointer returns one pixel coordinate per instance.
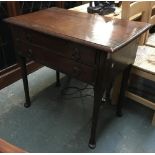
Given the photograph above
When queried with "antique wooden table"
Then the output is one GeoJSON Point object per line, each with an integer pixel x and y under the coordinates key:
{"type": "Point", "coordinates": [91, 48]}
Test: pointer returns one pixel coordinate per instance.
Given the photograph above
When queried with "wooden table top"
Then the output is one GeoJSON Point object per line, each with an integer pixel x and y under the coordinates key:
{"type": "Point", "coordinates": [89, 29]}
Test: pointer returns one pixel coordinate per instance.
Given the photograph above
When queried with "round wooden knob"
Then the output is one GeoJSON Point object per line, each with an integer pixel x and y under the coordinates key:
{"type": "Point", "coordinates": [76, 54]}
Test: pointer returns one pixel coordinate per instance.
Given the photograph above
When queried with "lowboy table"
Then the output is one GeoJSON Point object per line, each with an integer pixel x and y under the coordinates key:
{"type": "Point", "coordinates": [88, 47]}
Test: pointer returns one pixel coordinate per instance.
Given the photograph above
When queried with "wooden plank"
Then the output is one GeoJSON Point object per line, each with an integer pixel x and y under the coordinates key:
{"type": "Point", "coordinates": [14, 73]}
{"type": "Point", "coordinates": [13, 8]}
{"type": "Point", "coordinates": [6, 147]}
{"type": "Point", "coordinates": [150, 38]}
{"type": "Point", "coordinates": [143, 73]}
{"type": "Point", "coordinates": [140, 100]}
{"type": "Point", "coordinates": [8, 69]}
{"type": "Point", "coordinates": [125, 10]}
{"type": "Point", "coordinates": [59, 4]}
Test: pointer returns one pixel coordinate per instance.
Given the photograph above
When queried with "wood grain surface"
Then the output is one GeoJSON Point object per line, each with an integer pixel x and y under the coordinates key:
{"type": "Point", "coordinates": [94, 30]}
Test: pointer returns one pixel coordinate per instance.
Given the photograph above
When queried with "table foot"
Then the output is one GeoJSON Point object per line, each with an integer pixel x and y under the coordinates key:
{"type": "Point", "coordinates": [27, 105]}
{"type": "Point", "coordinates": [106, 100]}
{"type": "Point", "coordinates": [92, 146]}
{"type": "Point", "coordinates": [97, 103]}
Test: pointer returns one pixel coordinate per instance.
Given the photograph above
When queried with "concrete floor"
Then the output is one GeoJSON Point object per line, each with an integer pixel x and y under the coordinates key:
{"type": "Point", "coordinates": [56, 123]}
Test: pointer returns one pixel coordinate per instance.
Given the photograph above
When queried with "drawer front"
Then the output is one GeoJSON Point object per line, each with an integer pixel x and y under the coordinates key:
{"type": "Point", "coordinates": [68, 49]}
{"type": "Point", "coordinates": [52, 60]}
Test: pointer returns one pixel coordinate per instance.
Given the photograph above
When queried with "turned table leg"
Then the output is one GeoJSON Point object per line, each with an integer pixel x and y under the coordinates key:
{"type": "Point", "coordinates": [22, 61]}
{"type": "Point", "coordinates": [103, 74]}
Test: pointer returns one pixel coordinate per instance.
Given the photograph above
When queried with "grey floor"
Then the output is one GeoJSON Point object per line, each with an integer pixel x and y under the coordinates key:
{"type": "Point", "coordinates": [61, 123]}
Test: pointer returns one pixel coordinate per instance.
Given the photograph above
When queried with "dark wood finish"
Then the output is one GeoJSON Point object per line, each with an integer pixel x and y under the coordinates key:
{"type": "Point", "coordinates": [59, 4]}
{"type": "Point", "coordinates": [52, 23]}
{"type": "Point", "coordinates": [53, 60]}
{"type": "Point", "coordinates": [13, 8]}
{"type": "Point", "coordinates": [6, 147]}
{"type": "Point", "coordinates": [88, 47]}
{"type": "Point", "coordinates": [99, 88]}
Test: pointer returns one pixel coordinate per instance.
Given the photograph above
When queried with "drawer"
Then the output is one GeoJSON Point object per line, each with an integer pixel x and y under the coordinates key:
{"type": "Point", "coordinates": [52, 60]}
{"type": "Point", "coordinates": [82, 54]}
{"type": "Point", "coordinates": [68, 49]}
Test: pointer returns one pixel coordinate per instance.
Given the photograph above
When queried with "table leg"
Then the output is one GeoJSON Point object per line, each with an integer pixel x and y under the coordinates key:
{"type": "Point", "coordinates": [102, 85]}
{"type": "Point", "coordinates": [22, 61]}
{"type": "Point", "coordinates": [97, 103]}
{"type": "Point", "coordinates": [57, 78]}
{"type": "Point", "coordinates": [124, 84]}
{"type": "Point", "coordinates": [99, 89]}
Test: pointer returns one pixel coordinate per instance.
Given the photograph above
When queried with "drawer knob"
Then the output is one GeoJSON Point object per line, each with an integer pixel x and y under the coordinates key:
{"type": "Point", "coordinates": [76, 71]}
{"type": "Point", "coordinates": [76, 54]}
